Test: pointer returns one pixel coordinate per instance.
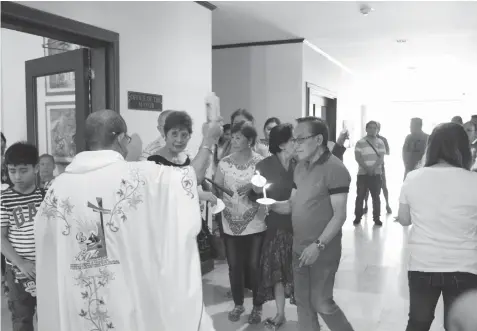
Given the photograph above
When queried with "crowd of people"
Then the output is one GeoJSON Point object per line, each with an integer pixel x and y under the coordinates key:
{"type": "Point", "coordinates": [111, 244]}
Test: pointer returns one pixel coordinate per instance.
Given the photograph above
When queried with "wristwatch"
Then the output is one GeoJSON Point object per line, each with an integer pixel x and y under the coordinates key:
{"type": "Point", "coordinates": [320, 245]}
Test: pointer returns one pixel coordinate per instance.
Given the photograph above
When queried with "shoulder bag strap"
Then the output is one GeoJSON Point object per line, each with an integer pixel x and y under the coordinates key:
{"type": "Point", "coordinates": [374, 149]}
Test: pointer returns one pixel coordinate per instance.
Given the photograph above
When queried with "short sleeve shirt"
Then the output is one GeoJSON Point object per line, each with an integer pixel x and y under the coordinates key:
{"type": "Point", "coordinates": [370, 150]}
{"type": "Point", "coordinates": [18, 216]}
{"type": "Point", "coordinates": [311, 204]}
{"type": "Point", "coordinates": [443, 207]}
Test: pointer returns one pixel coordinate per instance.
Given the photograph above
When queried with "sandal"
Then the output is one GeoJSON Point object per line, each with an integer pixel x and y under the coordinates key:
{"type": "Point", "coordinates": [275, 325]}
{"type": "Point", "coordinates": [235, 314]}
{"type": "Point", "coordinates": [255, 316]}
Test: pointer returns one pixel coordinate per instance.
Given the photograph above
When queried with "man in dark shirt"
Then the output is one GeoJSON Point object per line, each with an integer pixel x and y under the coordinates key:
{"type": "Point", "coordinates": [383, 178]}
{"type": "Point", "coordinates": [318, 209]}
{"type": "Point", "coordinates": [414, 146]}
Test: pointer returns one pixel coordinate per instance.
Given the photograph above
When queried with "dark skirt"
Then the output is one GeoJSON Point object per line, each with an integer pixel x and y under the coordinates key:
{"type": "Point", "coordinates": [276, 265]}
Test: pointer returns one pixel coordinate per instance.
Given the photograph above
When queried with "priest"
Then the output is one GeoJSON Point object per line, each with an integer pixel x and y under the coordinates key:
{"type": "Point", "coordinates": [116, 240]}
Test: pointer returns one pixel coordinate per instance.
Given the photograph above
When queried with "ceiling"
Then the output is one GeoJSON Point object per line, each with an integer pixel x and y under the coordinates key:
{"type": "Point", "coordinates": [441, 37]}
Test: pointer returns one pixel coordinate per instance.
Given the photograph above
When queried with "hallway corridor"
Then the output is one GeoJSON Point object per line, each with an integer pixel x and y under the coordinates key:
{"type": "Point", "coordinates": [371, 285]}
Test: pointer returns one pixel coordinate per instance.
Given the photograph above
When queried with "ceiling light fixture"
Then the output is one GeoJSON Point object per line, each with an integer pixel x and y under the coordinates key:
{"type": "Point", "coordinates": [365, 9]}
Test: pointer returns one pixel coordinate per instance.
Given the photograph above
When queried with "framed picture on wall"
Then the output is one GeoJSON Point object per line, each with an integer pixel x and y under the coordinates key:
{"type": "Point", "coordinates": [61, 130]}
{"type": "Point", "coordinates": [63, 83]}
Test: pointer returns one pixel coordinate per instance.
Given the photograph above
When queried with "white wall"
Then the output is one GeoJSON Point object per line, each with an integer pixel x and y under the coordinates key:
{"type": "Point", "coordinates": [320, 71]}
{"type": "Point", "coordinates": [266, 80]}
{"type": "Point", "coordinates": [16, 48]}
{"type": "Point", "coordinates": [165, 48]}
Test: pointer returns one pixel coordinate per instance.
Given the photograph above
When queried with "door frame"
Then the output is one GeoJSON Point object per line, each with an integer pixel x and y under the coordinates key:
{"type": "Point", "coordinates": [104, 45]}
{"type": "Point", "coordinates": [312, 89]}
{"type": "Point", "coordinates": [75, 61]}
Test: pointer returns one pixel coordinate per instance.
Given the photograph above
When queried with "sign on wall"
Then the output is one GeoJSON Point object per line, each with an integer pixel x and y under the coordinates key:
{"type": "Point", "coordinates": [144, 101]}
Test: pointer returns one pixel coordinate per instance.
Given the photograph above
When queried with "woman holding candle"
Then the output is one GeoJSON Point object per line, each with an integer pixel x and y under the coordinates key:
{"type": "Point", "coordinates": [243, 219]}
{"type": "Point", "coordinates": [276, 271]}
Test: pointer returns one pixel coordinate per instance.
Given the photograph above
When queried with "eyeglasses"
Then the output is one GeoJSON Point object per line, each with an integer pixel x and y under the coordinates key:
{"type": "Point", "coordinates": [128, 138]}
{"type": "Point", "coordinates": [300, 141]}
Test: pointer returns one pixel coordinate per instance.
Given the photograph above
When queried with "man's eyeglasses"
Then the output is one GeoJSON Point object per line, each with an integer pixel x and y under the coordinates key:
{"type": "Point", "coordinates": [128, 138]}
{"type": "Point", "coordinates": [300, 141]}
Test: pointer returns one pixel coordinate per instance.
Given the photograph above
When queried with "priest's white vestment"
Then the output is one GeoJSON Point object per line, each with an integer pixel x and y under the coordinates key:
{"type": "Point", "coordinates": [116, 248]}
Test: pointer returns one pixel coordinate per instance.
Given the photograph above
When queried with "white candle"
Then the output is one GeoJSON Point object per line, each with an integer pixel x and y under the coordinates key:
{"type": "Point", "coordinates": [265, 190]}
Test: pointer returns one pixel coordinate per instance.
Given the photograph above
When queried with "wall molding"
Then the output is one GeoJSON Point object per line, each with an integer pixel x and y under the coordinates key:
{"type": "Point", "coordinates": [261, 43]}
{"type": "Point", "coordinates": [210, 6]}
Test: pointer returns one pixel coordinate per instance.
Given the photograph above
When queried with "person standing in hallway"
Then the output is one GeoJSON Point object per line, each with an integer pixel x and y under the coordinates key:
{"type": "Point", "coordinates": [383, 178]}
{"type": "Point", "coordinates": [473, 119]}
{"type": "Point", "coordinates": [243, 220]}
{"type": "Point", "coordinates": [154, 147]}
{"type": "Point", "coordinates": [47, 167]}
{"type": "Point", "coordinates": [414, 146]}
{"type": "Point", "coordinates": [116, 241]}
{"type": "Point", "coordinates": [19, 206]}
{"type": "Point", "coordinates": [276, 276]}
{"type": "Point", "coordinates": [369, 153]}
{"type": "Point", "coordinates": [471, 130]}
{"type": "Point", "coordinates": [318, 209]}
{"type": "Point", "coordinates": [6, 183]}
{"type": "Point", "coordinates": [457, 120]}
{"type": "Point", "coordinates": [440, 201]}
{"type": "Point", "coordinates": [238, 116]}
{"type": "Point", "coordinates": [268, 126]}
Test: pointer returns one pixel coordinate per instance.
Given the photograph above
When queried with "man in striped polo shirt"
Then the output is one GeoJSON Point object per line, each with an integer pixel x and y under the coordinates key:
{"type": "Point", "coordinates": [19, 205]}
{"type": "Point", "coordinates": [369, 153]}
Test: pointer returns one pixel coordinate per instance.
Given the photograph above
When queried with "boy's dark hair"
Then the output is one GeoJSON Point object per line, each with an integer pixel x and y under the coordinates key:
{"type": "Point", "coordinates": [3, 138]}
{"type": "Point", "coordinates": [21, 153]}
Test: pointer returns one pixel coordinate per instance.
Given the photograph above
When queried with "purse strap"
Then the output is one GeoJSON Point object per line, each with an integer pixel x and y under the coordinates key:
{"type": "Point", "coordinates": [374, 149]}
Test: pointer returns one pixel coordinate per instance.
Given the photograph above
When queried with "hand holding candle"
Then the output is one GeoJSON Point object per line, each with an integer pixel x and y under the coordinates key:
{"type": "Point", "coordinates": [266, 201]}
{"type": "Point", "coordinates": [265, 190]}
{"type": "Point", "coordinates": [258, 180]}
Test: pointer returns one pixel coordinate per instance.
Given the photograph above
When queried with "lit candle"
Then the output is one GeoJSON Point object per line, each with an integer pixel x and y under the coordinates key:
{"type": "Point", "coordinates": [265, 190]}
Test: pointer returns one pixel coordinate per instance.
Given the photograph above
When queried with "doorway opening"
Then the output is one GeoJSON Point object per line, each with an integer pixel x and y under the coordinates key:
{"type": "Point", "coordinates": [322, 103]}
{"type": "Point", "coordinates": [55, 72]}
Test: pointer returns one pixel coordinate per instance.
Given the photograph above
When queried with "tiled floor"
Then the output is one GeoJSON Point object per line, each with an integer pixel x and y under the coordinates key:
{"type": "Point", "coordinates": [371, 285]}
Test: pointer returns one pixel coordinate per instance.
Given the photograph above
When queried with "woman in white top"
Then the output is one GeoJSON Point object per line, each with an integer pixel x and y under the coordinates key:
{"type": "Point", "coordinates": [243, 220]}
{"type": "Point", "coordinates": [440, 201]}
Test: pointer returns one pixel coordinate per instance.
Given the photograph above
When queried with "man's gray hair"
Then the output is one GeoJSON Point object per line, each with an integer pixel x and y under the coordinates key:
{"type": "Point", "coordinates": [102, 128]}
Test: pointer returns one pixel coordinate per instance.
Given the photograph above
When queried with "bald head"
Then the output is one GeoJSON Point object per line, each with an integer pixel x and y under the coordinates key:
{"type": "Point", "coordinates": [102, 127]}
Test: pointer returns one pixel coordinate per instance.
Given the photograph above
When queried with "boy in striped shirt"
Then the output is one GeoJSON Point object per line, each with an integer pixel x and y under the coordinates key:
{"type": "Point", "coordinates": [19, 205]}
